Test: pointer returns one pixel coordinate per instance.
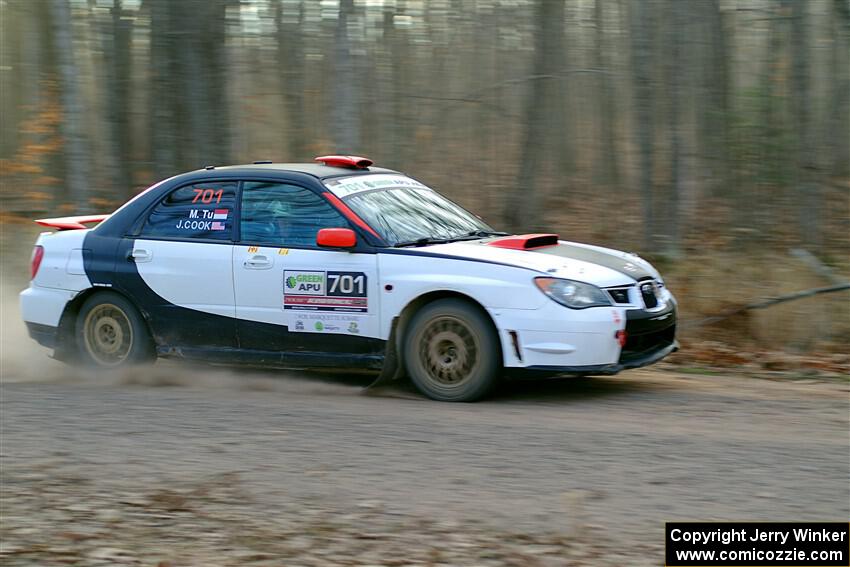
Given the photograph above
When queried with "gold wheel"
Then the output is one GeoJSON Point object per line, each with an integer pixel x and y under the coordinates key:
{"type": "Point", "coordinates": [108, 334]}
{"type": "Point", "coordinates": [448, 351]}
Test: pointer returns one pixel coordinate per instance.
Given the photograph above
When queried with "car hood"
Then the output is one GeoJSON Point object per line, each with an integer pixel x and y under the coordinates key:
{"type": "Point", "coordinates": [596, 265]}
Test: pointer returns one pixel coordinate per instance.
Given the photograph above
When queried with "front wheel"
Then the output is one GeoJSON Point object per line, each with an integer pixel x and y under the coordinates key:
{"type": "Point", "coordinates": [111, 333]}
{"type": "Point", "coordinates": [452, 351]}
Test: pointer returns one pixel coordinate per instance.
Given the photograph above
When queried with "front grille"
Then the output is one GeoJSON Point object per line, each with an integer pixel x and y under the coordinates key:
{"type": "Point", "coordinates": [619, 295]}
{"type": "Point", "coordinates": [648, 293]}
{"type": "Point", "coordinates": [638, 346]}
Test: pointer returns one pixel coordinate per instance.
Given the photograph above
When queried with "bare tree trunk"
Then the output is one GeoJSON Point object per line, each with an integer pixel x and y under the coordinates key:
{"type": "Point", "coordinates": [640, 21]}
{"type": "Point", "coordinates": [76, 154]}
{"type": "Point", "coordinates": [11, 59]}
{"type": "Point", "coordinates": [607, 158]}
{"type": "Point", "coordinates": [523, 203]}
{"type": "Point", "coordinates": [117, 50]}
{"type": "Point", "coordinates": [163, 134]}
{"type": "Point", "coordinates": [676, 77]}
{"type": "Point", "coordinates": [194, 103]}
{"type": "Point", "coordinates": [763, 205]}
{"type": "Point", "coordinates": [345, 112]}
{"type": "Point", "coordinates": [839, 119]}
{"type": "Point", "coordinates": [188, 59]}
{"type": "Point", "coordinates": [806, 187]}
{"type": "Point", "coordinates": [290, 56]}
{"type": "Point", "coordinates": [717, 83]}
{"type": "Point", "coordinates": [215, 74]}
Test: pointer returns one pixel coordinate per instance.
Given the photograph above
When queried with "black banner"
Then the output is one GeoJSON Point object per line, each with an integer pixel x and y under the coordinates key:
{"type": "Point", "coordinates": [757, 544]}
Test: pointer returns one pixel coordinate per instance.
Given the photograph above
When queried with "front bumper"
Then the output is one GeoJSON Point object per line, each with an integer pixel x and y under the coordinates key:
{"type": "Point", "coordinates": [648, 333]}
{"type": "Point", "coordinates": [650, 336]}
{"type": "Point", "coordinates": [598, 370]}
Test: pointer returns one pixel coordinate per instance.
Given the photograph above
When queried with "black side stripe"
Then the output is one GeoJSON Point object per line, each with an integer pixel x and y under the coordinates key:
{"type": "Point", "coordinates": [414, 252]}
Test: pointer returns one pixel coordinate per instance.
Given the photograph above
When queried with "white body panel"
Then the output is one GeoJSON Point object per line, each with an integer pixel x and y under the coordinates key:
{"type": "Point", "coordinates": [248, 283]}
{"type": "Point", "coordinates": [61, 266]}
{"type": "Point", "coordinates": [59, 279]}
{"type": "Point", "coordinates": [550, 265]}
{"type": "Point", "coordinates": [261, 292]}
{"type": "Point", "coordinates": [549, 334]}
{"type": "Point", "coordinates": [194, 275]}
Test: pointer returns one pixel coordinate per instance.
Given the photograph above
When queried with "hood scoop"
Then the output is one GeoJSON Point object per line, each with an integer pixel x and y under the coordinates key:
{"type": "Point", "coordinates": [525, 241]}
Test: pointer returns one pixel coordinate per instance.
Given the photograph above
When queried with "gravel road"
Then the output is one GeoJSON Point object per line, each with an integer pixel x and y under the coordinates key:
{"type": "Point", "coordinates": [186, 465]}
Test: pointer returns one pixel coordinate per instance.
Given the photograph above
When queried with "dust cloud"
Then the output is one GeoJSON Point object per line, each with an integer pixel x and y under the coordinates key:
{"type": "Point", "coordinates": [21, 358]}
{"type": "Point", "coordinates": [24, 360]}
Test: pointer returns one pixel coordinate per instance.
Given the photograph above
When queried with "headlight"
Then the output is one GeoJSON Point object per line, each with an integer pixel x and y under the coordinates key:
{"type": "Point", "coordinates": [575, 295]}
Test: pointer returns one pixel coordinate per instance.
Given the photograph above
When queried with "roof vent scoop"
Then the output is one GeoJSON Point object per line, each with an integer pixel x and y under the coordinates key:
{"type": "Point", "coordinates": [525, 241]}
{"type": "Point", "coordinates": [355, 162]}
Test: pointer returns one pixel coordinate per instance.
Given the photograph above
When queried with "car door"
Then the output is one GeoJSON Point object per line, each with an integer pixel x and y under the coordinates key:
{"type": "Point", "coordinates": [178, 268]}
{"type": "Point", "coordinates": [292, 295]}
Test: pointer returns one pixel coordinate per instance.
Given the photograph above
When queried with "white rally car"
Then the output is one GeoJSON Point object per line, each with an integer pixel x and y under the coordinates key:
{"type": "Point", "coordinates": [338, 264]}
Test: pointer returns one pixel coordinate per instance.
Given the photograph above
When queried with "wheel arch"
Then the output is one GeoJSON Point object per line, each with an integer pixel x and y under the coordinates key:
{"type": "Point", "coordinates": [393, 360]}
{"type": "Point", "coordinates": [66, 344]}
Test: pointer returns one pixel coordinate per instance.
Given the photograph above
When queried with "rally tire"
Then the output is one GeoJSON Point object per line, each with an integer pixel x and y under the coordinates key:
{"type": "Point", "coordinates": [452, 351]}
{"type": "Point", "coordinates": [110, 333]}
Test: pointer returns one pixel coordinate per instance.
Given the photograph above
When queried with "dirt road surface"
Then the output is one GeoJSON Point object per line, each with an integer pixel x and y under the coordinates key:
{"type": "Point", "coordinates": [188, 465]}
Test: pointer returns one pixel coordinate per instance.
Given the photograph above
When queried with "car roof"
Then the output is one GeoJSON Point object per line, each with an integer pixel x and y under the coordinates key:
{"type": "Point", "coordinates": [128, 214]}
{"type": "Point", "coordinates": [318, 170]}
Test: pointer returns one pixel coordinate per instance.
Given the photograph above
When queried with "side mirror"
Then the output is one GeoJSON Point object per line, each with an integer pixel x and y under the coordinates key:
{"type": "Point", "coordinates": [336, 238]}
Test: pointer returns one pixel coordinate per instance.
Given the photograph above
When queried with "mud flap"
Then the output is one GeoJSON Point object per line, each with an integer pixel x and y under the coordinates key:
{"type": "Point", "coordinates": [393, 368]}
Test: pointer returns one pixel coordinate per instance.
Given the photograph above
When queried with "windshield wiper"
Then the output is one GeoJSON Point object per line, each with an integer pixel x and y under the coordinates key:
{"type": "Point", "coordinates": [486, 233]}
{"type": "Point", "coordinates": [471, 235]}
{"type": "Point", "coordinates": [423, 242]}
{"type": "Point", "coordinates": [477, 234]}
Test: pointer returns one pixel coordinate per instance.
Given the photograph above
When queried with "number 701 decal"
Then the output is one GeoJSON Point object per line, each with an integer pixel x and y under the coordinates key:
{"type": "Point", "coordinates": [348, 284]}
{"type": "Point", "coordinates": [206, 196]}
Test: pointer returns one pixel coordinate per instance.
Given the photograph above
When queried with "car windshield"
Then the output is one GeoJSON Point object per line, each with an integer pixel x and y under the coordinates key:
{"type": "Point", "coordinates": [406, 212]}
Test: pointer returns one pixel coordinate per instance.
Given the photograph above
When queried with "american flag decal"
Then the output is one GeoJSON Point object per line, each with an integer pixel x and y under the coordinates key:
{"type": "Point", "coordinates": [217, 225]}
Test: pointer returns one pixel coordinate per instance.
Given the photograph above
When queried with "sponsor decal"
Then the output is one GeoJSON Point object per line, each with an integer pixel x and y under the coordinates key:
{"type": "Point", "coordinates": [303, 283]}
{"type": "Point", "coordinates": [253, 249]}
{"type": "Point", "coordinates": [315, 322]}
{"type": "Point", "coordinates": [282, 251]}
{"type": "Point", "coordinates": [616, 315]}
{"type": "Point", "coordinates": [200, 225]}
{"type": "Point", "coordinates": [351, 185]}
{"type": "Point", "coordinates": [203, 220]}
{"type": "Point", "coordinates": [325, 291]}
{"type": "Point", "coordinates": [217, 214]}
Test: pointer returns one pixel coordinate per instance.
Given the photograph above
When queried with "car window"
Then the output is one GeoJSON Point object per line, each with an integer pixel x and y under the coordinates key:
{"type": "Point", "coordinates": [202, 210]}
{"type": "Point", "coordinates": [280, 214]}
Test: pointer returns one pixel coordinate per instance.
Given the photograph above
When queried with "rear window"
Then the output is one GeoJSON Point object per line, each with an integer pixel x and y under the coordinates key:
{"type": "Point", "coordinates": [203, 211]}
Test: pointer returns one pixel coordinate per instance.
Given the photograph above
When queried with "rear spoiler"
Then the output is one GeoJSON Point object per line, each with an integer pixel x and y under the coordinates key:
{"type": "Point", "coordinates": [71, 223]}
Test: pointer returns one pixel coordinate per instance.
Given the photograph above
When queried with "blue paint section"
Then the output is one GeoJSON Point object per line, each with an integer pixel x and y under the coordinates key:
{"type": "Point", "coordinates": [108, 264]}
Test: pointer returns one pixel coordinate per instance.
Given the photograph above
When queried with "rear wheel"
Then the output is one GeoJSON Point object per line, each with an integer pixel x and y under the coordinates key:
{"type": "Point", "coordinates": [111, 333]}
{"type": "Point", "coordinates": [452, 352]}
